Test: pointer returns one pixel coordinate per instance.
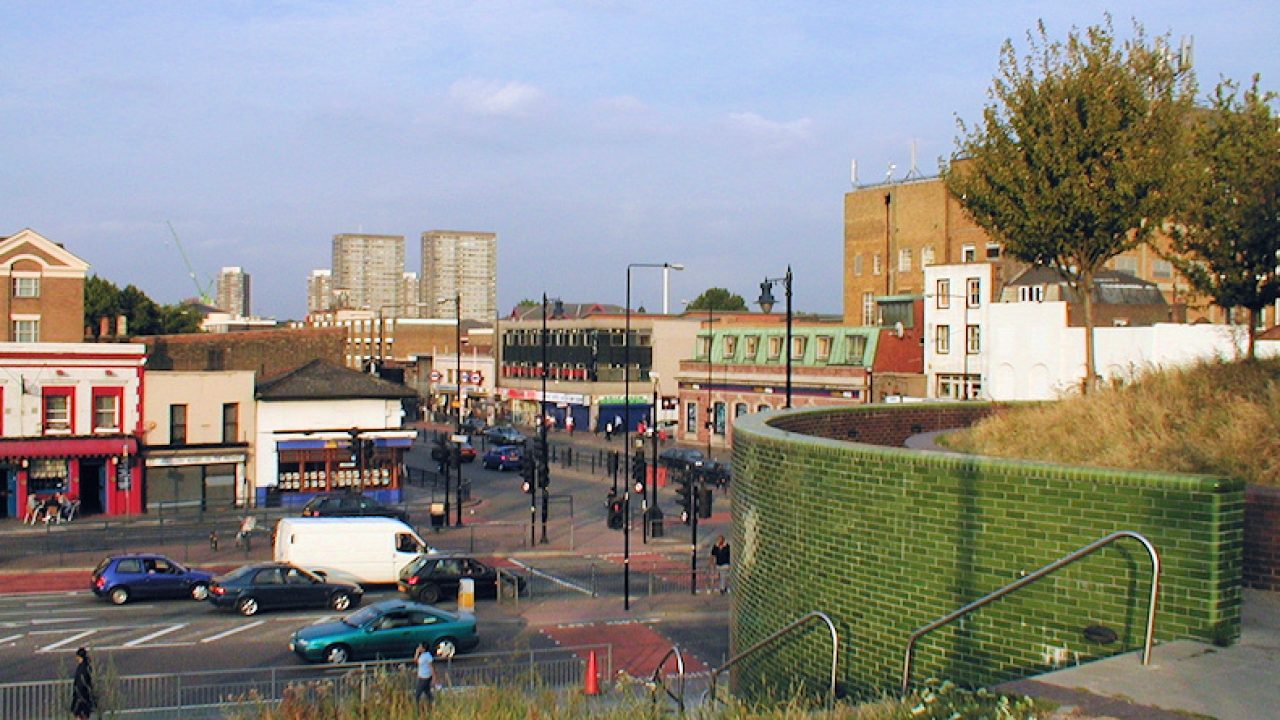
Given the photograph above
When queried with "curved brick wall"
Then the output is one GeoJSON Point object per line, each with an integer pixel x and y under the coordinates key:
{"type": "Point", "coordinates": [885, 540]}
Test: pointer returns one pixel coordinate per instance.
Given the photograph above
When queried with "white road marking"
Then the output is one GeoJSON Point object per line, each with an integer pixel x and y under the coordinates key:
{"type": "Point", "coordinates": [233, 631]}
{"type": "Point", "coordinates": [552, 578]}
{"type": "Point", "coordinates": [155, 634]}
{"type": "Point", "coordinates": [52, 621]}
{"type": "Point", "coordinates": [11, 638]}
{"type": "Point", "coordinates": [66, 641]}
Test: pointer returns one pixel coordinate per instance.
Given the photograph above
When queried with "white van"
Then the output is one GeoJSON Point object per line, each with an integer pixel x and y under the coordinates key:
{"type": "Point", "coordinates": [359, 549]}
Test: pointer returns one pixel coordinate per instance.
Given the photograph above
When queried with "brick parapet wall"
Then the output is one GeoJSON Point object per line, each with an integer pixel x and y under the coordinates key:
{"type": "Point", "coordinates": [1262, 538]}
{"type": "Point", "coordinates": [885, 540]}
{"type": "Point", "coordinates": [266, 352]}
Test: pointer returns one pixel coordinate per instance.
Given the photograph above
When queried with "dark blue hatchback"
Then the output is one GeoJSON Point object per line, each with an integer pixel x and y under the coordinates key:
{"type": "Point", "coordinates": [121, 578]}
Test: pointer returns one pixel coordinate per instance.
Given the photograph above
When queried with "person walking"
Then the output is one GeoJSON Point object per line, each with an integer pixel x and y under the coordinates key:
{"type": "Point", "coordinates": [33, 509]}
{"type": "Point", "coordinates": [608, 431]}
{"type": "Point", "coordinates": [82, 702]}
{"type": "Point", "coordinates": [426, 675]}
{"type": "Point", "coordinates": [720, 558]}
{"type": "Point", "coordinates": [568, 424]}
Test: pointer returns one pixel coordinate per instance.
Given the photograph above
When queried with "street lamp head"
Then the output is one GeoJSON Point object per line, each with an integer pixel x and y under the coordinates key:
{"type": "Point", "coordinates": [766, 299]}
{"type": "Point", "coordinates": [673, 266]}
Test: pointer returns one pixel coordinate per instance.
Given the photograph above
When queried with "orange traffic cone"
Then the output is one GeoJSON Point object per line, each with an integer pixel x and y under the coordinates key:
{"type": "Point", "coordinates": [591, 685]}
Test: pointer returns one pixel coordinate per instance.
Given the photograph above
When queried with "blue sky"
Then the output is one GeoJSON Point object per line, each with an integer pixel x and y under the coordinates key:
{"type": "Point", "coordinates": [588, 135]}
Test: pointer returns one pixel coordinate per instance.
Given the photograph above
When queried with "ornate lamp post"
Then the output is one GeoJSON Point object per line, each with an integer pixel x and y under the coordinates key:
{"type": "Point", "coordinates": [767, 302]}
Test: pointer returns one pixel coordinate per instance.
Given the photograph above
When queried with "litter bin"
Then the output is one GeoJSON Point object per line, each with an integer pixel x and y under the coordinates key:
{"type": "Point", "coordinates": [437, 515]}
{"type": "Point", "coordinates": [655, 522]}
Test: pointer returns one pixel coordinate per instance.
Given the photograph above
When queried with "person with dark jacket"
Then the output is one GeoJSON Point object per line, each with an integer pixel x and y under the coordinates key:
{"type": "Point", "coordinates": [82, 702]}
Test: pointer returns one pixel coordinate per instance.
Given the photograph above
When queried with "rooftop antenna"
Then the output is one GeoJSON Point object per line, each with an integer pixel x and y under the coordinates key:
{"type": "Point", "coordinates": [853, 172]}
{"type": "Point", "coordinates": [914, 171]}
{"type": "Point", "coordinates": [888, 176]}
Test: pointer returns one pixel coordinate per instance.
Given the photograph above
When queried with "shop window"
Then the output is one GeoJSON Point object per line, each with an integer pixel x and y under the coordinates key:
{"type": "Point", "coordinates": [177, 424]}
{"type": "Point", "coordinates": [47, 476]}
{"type": "Point", "coordinates": [230, 422]}
{"type": "Point", "coordinates": [58, 411]}
{"type": "Point", "coordinates": [108, 407]}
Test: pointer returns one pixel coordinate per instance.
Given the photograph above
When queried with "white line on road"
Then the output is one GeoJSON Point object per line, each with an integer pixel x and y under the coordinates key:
{"type": "Point", "coordinates": [233, 631]}
{"type": "Point", "coordinates": [51, 621]}
{"type": "Point", "coordinates": [11, 638]}
{"type": "Point", "coordinates": [155, 634]}
{"type": "Point", "coordinates": [66, 641]}
{"type": "Point", "coordinates": [552, 578]}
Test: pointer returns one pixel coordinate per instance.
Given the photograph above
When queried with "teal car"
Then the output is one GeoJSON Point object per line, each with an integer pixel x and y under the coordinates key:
{"type": "Point", "coordinates": [389, 629]}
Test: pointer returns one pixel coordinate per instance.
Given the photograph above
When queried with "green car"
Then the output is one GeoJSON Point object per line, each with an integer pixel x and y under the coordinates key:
{"type": "Point", "coordinates": [389, 629]}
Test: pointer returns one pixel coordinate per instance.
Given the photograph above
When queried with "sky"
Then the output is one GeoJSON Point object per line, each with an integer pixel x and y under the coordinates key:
{"type": "Point", "coordinates": [588, 135]}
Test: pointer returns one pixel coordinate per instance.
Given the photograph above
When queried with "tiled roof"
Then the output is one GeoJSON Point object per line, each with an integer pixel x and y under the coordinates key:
{"type": "Point", "coordinates": [319, 380]}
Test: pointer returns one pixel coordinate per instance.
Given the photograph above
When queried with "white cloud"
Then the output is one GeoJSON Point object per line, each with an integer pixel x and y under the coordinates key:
{"type": "Point", "coordinates": [771, 134]}
{"type": "Point", "coordinates": [495, 98]}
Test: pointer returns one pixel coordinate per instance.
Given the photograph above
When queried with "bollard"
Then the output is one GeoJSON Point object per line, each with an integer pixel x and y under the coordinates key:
{"type": "Point", "coordinates": [467, 595]}
{"type": "Point", "coordinates": [213, 540]}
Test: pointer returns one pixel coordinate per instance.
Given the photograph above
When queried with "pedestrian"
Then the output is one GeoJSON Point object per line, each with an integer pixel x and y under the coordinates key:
{"type": "Point", "coordinates": [247, 527]}
{"type": "Point", "coordinates": [720, 558]}
{"type": "Point", "coordinates": [33, 509]}
{"type": "Point", "coordinates": [608, 431]}
{"type": "Point", "coordinates": [568, 424]}
{"type": "Point", "coordinates": [425, 675]}
{"type": "Point", "coordinates": [82, 702]}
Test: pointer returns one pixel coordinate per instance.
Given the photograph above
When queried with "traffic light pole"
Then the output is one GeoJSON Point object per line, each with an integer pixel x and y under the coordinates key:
{"type": "Point", "coordinates": [544, 466]}
{"type": "Point", "coordinates": [694, 496]}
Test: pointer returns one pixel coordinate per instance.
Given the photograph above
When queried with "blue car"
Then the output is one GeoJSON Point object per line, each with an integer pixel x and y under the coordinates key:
{"type": "Point", "coordinates": [121, 578]}
{"type": "Point", "coordinates": [504, 457]}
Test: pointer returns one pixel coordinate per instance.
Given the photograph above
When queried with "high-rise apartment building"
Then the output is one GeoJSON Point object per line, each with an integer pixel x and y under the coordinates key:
{"type": "Point", "coordinates": [320, 290]}
{"type": "Point", "coordinates": [411, 306]}
{"type": "Point", "coordinates": [233, 291]}
{"type": "Point", "coordinates": [368, 271]}
{"type": "Point", "coordinates": [464, 264]}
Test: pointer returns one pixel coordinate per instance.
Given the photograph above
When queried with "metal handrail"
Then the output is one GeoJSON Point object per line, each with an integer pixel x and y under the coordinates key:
{"type": "Point", "coordinates": [1034, 576]}
{"type": "Point", "coordinates": [835, 649]}
{"type": "Point", "coordinates": [658, 682]}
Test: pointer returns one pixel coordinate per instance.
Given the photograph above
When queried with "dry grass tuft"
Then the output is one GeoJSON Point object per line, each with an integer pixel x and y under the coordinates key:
{"type": "Point", "coordinates": [1217, 418]}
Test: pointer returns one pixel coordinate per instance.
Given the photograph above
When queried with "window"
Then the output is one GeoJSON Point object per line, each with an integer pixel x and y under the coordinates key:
{"type": "Point", "coordinates": [1127, 265]}
{"type": "Point", "coordinates": [857, 264]}
{"type": "Point", "coordinates": [875, 264]}
{"type": "Point", "coordinates": [973, 292]}
{"type": "Point", "coordinates": [775, 347]}
{"type": "Point", "coordinates": [857, 348]}
{"type": "Point", "coordinates": [904, 260]}
{"type": "Point", "coordinates": [730, 346]}
{"type": "Point", "coordinates": [704, 348]}
{"type": "Point", "coordinates": [177, 424]}
{"type": "Point", "coordinates": [797, 348]}
{"type": "Point", "coordinates": [26, 287]}
{"type": "Point", "coordinates": [718, 424]}
{"type": "Point", "coordinates": [868, 308]}
{"type": "Point", "coordinates": [1162, 269]}
{"type": "Point", "coordinates": [973, 339]}
{"type": "Point", "coordinates": [58, 410]}
{"type": "Point", "coordinates": [926, 255]}
{"type": "Point", "coordinates": [943, 296]}
{"type": "Point", "coordinates": [230, 422]}
{"type": "Point", "coordinates": [763, 408]}
{"type": "Point", "coordinates": [1031, 293]}
{"type": "Point", "coordinates": [752, 347]}
{"type": "Point", "coordinates": [942, 340]}
{"type": "Point", "coordinates": [740, 409]}
{"type": "Point", "coordinates": [691, 417]}
{"type": "Point", "coordinates": [107, 406]}
{"type": "Point", "coordinates": [993, 251]}
{"type": "Point", "coordinates": [968, 254]}
{"type": "Point", "coordinates": [26, 331]}
{"type": "Point", "coordinates": [824, 348]}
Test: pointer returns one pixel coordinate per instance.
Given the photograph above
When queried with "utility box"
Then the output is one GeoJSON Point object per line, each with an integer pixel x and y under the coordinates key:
{"type": "Point", "coordinates": [437, 515]}
{"type": "Point", "coordinates": [655, 522]}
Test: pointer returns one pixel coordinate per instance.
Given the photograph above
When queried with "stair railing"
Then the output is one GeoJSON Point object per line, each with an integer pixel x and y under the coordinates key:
{"type": "Point", "coordinates": [1034, 576]}
{"type": "Point", "coordinates": [815, 615]}
{"type": "Point", "coordinates": [659, 681]}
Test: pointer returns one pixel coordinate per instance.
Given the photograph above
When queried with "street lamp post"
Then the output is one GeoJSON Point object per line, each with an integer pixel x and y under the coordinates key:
{"type": "Point", "coordinates": [457, 372]}
{"type": "Point", "coordinates": [655, 514]}
{"type": "Point", "coordinates": [626, 429]}
{"type": "Point", "coordinates": [543, 464]}
{"type": "Point", "coordinates": [767, 301]}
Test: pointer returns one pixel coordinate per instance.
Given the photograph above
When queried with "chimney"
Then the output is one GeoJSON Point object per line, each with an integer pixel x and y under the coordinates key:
{"type": "Point", "coordinates": [122, 326]}
{"type": "Point", "coordinates": [104, 327]}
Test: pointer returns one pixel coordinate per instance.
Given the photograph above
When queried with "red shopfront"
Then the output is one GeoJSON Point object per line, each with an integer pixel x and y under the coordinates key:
{"type": "Point", "coordinates": [103, 472]}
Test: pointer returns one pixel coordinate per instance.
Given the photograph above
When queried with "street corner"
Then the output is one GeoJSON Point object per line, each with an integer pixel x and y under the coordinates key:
{"type": "Point", "coordinates": [637, 646]}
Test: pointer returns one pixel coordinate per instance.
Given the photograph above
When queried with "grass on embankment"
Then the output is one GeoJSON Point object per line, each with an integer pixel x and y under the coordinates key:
{"type": "Point", "coordinates": [1218, 418]}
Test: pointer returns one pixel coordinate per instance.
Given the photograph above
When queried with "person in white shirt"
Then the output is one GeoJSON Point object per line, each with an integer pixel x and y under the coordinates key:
{"type": "Point", "coordinates": [425, 674]}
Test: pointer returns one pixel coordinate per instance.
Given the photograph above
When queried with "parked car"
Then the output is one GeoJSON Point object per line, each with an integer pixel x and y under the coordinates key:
{"type": "Point", "coordinates": [278, 586]}
{"type": "Point", "coordinates": [678, 458]}
{"type": "Point", "coordinates": [432, 578]}
{"type": "Point", "coordinates": [348, 504]}
{"type": "Point", "coordinates": [504, 457]}
{"type": "Point", "coordinates": [504, 435]}
{"type": "Point", "coordinates": [467, 453]}
{"type": "Point", "coordinates": [121, 578]}
{"type": "Point", "coordinates": [388, 629]}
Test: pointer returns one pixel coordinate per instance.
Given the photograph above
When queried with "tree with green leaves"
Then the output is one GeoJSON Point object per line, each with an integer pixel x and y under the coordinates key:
{"type": "Point", "coordinates": [103, 298]}
{"type": "Point", "coordinates": [1226, 238]}
{"type": "Point", "coordinates": [1072, 162]}
{"type": "Point", "coordinates": [718, 298]}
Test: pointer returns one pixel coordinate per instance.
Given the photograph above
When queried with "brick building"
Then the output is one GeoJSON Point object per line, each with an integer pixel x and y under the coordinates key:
{"type": "Point", "coordinates": [43, 297]}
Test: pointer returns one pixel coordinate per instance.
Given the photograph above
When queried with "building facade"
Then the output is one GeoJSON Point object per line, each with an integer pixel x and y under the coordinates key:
{"type": "Point", "coordinates": [368, 271]}
{"type": "Point", "coordinates": [461, 265]}
{"type": "Point", "coordinates": [43, 296]}
{"type": "Point", "coordinates": [234, 292]}
{"type": "Point", "coordinates": [320, 290]}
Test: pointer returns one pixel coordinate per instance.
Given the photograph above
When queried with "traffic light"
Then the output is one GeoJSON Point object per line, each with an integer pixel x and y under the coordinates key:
{"type": "Point", "coordinates": [542, 473]}
{"type": "Point", "coordinates": [366, 452]}
{"type": "Point", "coordinates": [638, 472]}
{"type": "Point", "coordinates": [615, 518]}
{"type": "Point", "coordinates": [355, 446]}
{"type": "Point", "coordinates": [684, 496]}
{"type": "Point", "coordinates": [528, 474]}
{"type": "Point", "coordinates": [705, 498]}
{"type": "Point", "coordinates": [440, 449]}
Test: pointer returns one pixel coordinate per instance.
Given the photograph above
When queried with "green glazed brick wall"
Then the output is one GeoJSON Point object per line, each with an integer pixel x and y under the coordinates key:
{"type": "Point", "coordinates": [885, 540]}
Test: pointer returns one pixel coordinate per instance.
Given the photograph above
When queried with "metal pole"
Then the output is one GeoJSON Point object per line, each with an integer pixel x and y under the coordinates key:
{"type": "Point", "coordinates": [544, 466]}
{"type": "Point", "coordinates": [457, 347]}
{"type": "Point", "coordinates": [711, 343]}
{"type": "Point", "coordinates": [626, 448]}
{"type": "Point", "coordinates": [653, 455]}
{"type": "Point", "coordinates": [788, 289]}
{"type": "Point", "coordinates": [694, 497]}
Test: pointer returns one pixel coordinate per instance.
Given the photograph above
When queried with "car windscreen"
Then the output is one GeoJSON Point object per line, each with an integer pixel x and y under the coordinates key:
{"type": "Point", "coordinates": [363, 616]}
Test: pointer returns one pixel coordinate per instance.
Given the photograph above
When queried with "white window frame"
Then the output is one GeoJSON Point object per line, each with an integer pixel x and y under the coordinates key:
{"type": "Point", "coordinates": [942, 296]}
{"type": "Point", "coordinates": [973, 292]}
{"type": "Point", "coordinates": [26, 286]}
{"type": "Point", "coordinates": [973, 339]}
{"type": "Point", "coordinates": [26, 329]}
{"type": "Point", "coordinates": [904, 260]}
{"type": "Point", "coordinates": [942, 339]}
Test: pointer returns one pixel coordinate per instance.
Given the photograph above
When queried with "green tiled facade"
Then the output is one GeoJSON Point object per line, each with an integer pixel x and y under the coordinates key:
{"type": "Point", "coordinates": [885, 540]}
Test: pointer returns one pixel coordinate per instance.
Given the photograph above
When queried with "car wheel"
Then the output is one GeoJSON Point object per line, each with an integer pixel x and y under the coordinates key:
{"type": "Point", "coordinates": [337, 654]}
{"type": "Point", "coordinates": [444, 648]}
{"type": "Point", "coordinates": [340, 601]}
{"type": "Point", "coordinates": [199, 591]}
{"type": "Point", "coordinates": [119, 595]}
{"type": "Point", "coordinates": [429, 594]}
{"type": "Point", "coordinates": [247, 606]}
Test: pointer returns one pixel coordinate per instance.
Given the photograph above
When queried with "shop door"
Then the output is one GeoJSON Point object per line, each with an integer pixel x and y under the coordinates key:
{"type": "Point", "coordinates": [219, 486]}
{"type": "Point", "coordinates": [92, 473]}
